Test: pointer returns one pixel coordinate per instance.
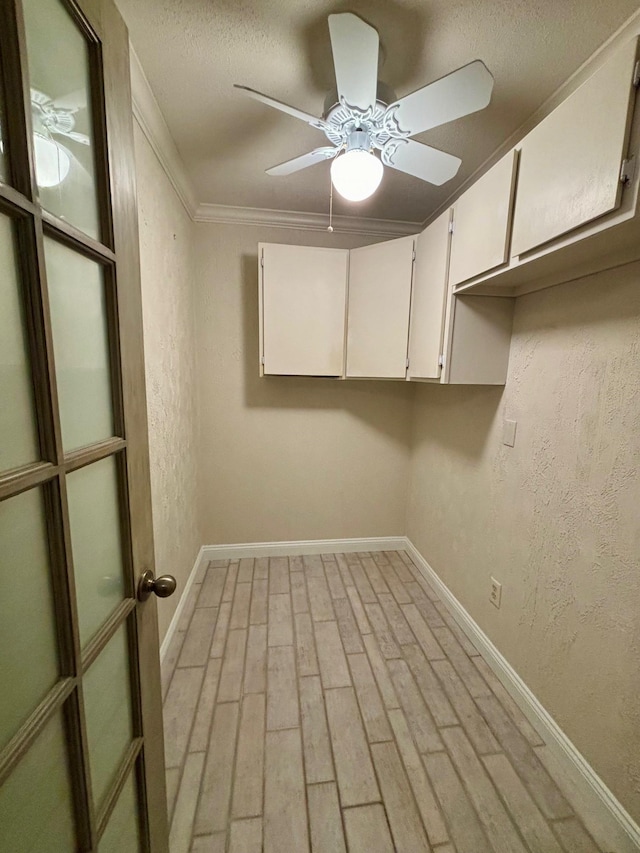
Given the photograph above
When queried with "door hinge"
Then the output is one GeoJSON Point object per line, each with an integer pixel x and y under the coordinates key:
{"type": "Point", "coordinates": [441, 361]}
{"type": "Point", "coordinates": [413, 256]}
{"type": "Point", "coordinates": [636, 74]}
{"type": "Point", "coordinates": [407, 364]}
{"type": "Point", "coordinates": [262, 261]}
{"type": "Point", "coordinates": [628, 170]}
{"type": "Point", "coordinates": [451, 227]}
{"type": "Point", "coordinates": [261, 359]}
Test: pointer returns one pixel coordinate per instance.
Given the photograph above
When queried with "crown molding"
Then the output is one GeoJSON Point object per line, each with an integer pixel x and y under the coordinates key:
{"type": "Point", "coordinates": [229, 215]}
{"type": "Point", "coordinates": [147, 113]}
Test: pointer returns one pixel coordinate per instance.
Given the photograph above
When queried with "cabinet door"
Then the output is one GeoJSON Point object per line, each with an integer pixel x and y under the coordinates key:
{"type": "Point", "coordinates": [303, 305]}
{"type": "Point", "coordinates": [429, 299]}
{"type": "Point", "coordinates": [570, 163]}
{"type": "Point", "coordinates": [379, 303]}
{"type": "Point", "coordinates": [482, 220]}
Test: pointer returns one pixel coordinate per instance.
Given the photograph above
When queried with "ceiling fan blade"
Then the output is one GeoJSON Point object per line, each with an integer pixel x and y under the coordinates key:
{"type": "Point", "coordinates": [355, 57]}
{"type": "Point", "coordinates": [82, 138]}
{"type": "Point", "coordinates": [304, 161]}
{"type": "Point", "coordinates": [464, 91]}
{"type": "Point", "coordinates": [72, 102]}
{"type": "Point", "coordinates": [421, 161]}
{"type": "Point", "coordinates": [285, 108]}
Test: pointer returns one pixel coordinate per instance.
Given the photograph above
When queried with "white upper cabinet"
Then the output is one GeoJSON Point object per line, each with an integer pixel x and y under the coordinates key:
{"type": "Point", "coordinates": [303, 295]}
{"type": "Point", "coordinates": [482, 223]}
{"type": "Point", "coordinates": [429, 299]}
{"type": "Point", "coordinates": [570, 163]}
{"type": "Point", "coordinates": [379, 303]}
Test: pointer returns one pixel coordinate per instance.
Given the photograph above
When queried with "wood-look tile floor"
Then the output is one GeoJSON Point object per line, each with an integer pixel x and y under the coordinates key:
{"type": "Point", "coordinates": [331, 704]}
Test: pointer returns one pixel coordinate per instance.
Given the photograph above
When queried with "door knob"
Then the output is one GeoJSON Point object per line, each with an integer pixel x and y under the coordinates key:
{"type": "Point", "coordinates": [163, 587]}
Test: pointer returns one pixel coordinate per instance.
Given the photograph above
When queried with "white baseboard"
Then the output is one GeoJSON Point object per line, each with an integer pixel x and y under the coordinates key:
{"type": "Point", "coordinates": [608, 821]}
{"type": "Point", "coordinates": [297, 549]}
{"type": "Point", "coordinates": [181, 604]}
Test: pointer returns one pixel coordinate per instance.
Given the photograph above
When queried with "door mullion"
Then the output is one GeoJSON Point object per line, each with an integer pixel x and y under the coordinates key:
{"type": "Point", "coordinates": [75, 715]}
{"type": "Point", "coordinates": [76, 727]}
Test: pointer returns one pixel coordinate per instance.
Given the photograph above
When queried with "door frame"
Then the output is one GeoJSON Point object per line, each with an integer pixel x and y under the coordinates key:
{"type": "Point", "coordinates": [118, 252]}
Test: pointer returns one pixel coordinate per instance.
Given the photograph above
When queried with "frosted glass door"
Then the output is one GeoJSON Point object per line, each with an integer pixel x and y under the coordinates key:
{"type": "Point", "coordinates": [79, 668]}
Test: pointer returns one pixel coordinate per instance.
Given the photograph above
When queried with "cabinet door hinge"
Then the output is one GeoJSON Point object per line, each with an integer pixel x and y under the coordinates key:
{"type": "Point", "coordinates": [451, 227]}
{"type": "Point", "coordinates": [628, 169]}
{"type": "Point", "coordinates": [636, 74]}
{"type": "Point", "coordinates": [441, 361]}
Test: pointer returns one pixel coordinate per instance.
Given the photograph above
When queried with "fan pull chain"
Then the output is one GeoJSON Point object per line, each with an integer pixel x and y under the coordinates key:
{"type": "Point", "coordinates": [330, 228]}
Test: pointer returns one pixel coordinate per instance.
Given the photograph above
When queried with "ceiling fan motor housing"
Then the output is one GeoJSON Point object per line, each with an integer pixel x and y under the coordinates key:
{"type": "Point", "coordinates": [358, 140]}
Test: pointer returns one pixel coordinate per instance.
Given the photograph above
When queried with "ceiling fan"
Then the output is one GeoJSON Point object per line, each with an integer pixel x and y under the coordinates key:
{"type": "Point", "coordinates": [53, 119]}
{"type": "Point", "coordinates": [360, 121]}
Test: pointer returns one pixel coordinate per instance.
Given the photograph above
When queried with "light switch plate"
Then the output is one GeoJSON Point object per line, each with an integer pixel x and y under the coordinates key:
{"type": "Point", "coordinates": [509, 432]}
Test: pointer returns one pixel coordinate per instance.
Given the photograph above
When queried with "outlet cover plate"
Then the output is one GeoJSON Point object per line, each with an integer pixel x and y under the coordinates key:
{"type": "Point", "coordinates": [509, 432]}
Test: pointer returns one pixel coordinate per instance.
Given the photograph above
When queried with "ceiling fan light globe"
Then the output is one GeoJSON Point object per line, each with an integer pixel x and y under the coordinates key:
{"type": "Point", "coordinates": [356, 175]}
{"type": "Point", "coordinates": [52, 161]}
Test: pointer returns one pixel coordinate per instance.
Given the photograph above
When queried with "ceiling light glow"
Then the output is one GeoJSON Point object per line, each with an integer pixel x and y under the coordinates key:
{"type": "Point", "coordinates": [356, 175]}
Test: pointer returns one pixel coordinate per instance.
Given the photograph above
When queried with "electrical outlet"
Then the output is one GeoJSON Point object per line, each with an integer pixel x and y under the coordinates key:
{"type": "Point", "coordinates": [495, 596]}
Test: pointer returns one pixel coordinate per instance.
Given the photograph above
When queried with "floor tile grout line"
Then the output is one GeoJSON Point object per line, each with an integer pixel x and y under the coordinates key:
{"type": "Point", "coordinates": [195, 590]}
{"type": "Point", "coordinates": [412, 736]}
{"type": "Point", "coordinates": [467, 788]}
{"type": "Point", "coordinates": [187, 752]}
{"type": "Point", "coordinates": [240, 704]}
{"type": "Point", "coordinates": [364, 729]}
{"type": "Point", "coordinates": [479, 757]}
{"type": "Point", "coordinates": [215, 700]}
{"type": "Point", "coordinates": [464, 789]}
{"type": "Point", "coordinates": [341, 808]}
{"type": "Point", "coordinates": [553, 824]}
{"type": "Point", "coordinates": [393, 741]}
{"type": "Point", "coordinates": [298, 677]}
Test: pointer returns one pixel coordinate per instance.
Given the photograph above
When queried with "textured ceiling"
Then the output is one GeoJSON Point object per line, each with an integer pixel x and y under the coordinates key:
{"type": "Point", "coordinates": [194, 50]}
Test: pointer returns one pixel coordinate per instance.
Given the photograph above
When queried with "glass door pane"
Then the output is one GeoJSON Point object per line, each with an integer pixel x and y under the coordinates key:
{"type": "Point", "coordinates": [94, 518]}
{"type": "Point", "coordinates": [107, 700]}
{"type": "Point", "coordinates": [81, 345]}
{"type": "Point", "coordinates": [122, 834]}
{"type": "Point", "coordinates": [59, 77]}
{"type": "Point", "coordinates": [28, 644]}
{"type": "Point", "coordinates": [18, 433]}
{"type": "Point", "coordinates": [36, 811]}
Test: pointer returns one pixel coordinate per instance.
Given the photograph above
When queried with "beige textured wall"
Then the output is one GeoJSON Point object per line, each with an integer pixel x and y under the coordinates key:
{"type": "Point", "coordinates": [286, 458]}
{"type": "Point", "coordinates": [556, 519]}
{"type": "Point", "coordinates": [167, 265]}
